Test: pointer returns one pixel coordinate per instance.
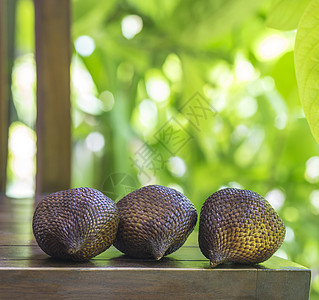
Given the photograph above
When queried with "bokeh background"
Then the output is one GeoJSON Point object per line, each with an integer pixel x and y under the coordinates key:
{"type": "Point", "coordinates": [195, 95]}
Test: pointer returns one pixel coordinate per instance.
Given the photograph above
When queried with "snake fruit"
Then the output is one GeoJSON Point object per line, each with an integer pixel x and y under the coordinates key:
{"type": "Point", "coordinates": [239, 226]}
{"type": "Point", "coordinates": [154, 221]}
{"type": "Point", "coordinates": [75, 224]}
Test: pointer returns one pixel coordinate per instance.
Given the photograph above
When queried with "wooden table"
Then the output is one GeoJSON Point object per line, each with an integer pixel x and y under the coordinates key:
{"type": "Point", "coordinates": [28, 273]}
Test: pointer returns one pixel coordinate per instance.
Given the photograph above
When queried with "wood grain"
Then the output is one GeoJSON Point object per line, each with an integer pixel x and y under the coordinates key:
{"type": "Point", "coordinates": [53, 51]}
{"type": "Point", "coordinates": [26, 271]}
{"type": "Point", "coordinates": [128, 284]}
{"type": "Point", "coordinates": [3, 97]}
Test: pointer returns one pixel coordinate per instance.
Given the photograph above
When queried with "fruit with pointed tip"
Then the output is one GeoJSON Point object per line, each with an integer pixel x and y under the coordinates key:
{"type": "Point", "coordinates": [154, 221]}
{"type": "Point", "coordinates": [239, 226]}
{"type": "Point", "coordinates": [75, 224]}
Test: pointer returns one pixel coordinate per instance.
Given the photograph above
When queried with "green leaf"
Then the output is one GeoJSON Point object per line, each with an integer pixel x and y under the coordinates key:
{"type": "Point", "coordinates": [307, 64]}
{"type": "Point", "coordinates": [285, 14]}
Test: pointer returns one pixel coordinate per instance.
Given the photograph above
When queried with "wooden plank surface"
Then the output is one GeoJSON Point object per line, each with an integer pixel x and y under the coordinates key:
{"type": "Point", "coordinates": [130, 284]}
{"type": "Point", "coordinates": [53, 51]}
{"type": "Point", "coordinates": [121, 277]}
{"type": "Point", "coordinates": [185, 274]}
{"type": "Point", "coordinates": [3, 97]}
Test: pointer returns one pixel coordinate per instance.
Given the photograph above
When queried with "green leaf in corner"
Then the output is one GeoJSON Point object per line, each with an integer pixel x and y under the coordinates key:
{"type": "Point", "coordinates": [285, 14]}
{"type": "Point", "coordinates": [307, 64]}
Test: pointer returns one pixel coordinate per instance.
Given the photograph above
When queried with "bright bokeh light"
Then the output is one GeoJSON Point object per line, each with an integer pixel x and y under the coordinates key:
{"type": "Point", "coordinates": [290, 235]}
{"type": "Point", "coordinates": [268, 83]}
{"type": "Point", "coordinates": [26, 75]}
{"type": "Point", "coordinates": [23, 89]}
{"type": "Point", "coordinates": [219, 98]}
{"type": "Point", "coordinates": [21, 142]}
{"type": "Point", "coordinates": [276, 198]}
{"type": "Point", "coordinates": [22, 150]}
{"type": "Point", "coordinates": [158, 89]}
{"type": "Point", "coordinates": [281, 121]}
{"type": "Point", "coordinates": [90, 104]}
{"type": "Point", "coordinates": [95, 142]}
{"type": "Point", "coordinates": [312, 169]}
{"type": "Point", "coordinates": [107, 99]}
{"type": "Point", "coordinates": [244, 70]}
{"type": "Point", "coordinates": [221, 75]}
{"type": "Point", "coordinates": [82, 82]}
{"type": "Point", "coordinates": [148, 113]}
{"type": "Point", "coordinates": [272, 46]}
{"type": "Point", "coordinates": [131, 26]}
{"type": "Point", "coordinates": [314, 199]}
{"type": "Point", "coordinates": [281, 253]}
{"type": "Point", "coordinates": [176, 166]}
{"type": "Point", "coordinates": [247, 107]}
{"type": "Point", "coordinates": [84, 45]}
{"type": "Point", "coordinates": [172, 68]}
{"type": "Point", "coordinates": [239, 133]}
{"type": "Point", "coordinates": [84, 91]}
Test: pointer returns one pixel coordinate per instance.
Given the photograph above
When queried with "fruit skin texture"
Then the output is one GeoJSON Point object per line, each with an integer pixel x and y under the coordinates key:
{"type": "Point", "coordinates": [154, 221]}
{"type": "Point", "coordinates": [75, 224]}
{"type": "Point", "coordinates": [239, 226]}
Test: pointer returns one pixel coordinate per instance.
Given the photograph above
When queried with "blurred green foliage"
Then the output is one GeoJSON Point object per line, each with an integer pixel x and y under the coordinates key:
{"type": "Point", "coordinates": [195, 95]}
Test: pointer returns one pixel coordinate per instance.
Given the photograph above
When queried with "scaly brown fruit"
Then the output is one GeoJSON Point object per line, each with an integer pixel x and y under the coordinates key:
{"type": "Point", "coordinates": [154, 221]}
{"type": "Point", "coordinates": [75, 224]}
{"type": "Point", "coordinates": [239, 226]}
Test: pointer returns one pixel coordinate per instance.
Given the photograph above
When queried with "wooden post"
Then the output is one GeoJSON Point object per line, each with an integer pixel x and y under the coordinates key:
{"type": "Point", "coordinates": [53, 54]}
{"type": "Point", "coordinates": [3, 97]}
